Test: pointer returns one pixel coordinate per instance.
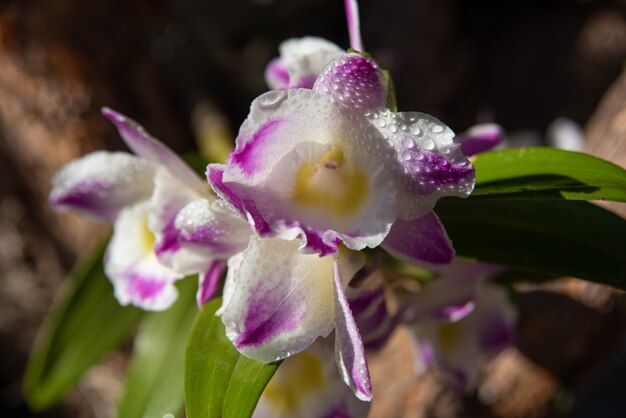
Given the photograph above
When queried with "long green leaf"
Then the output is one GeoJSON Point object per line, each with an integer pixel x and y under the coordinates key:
{"type": "Point", "coordinates": [219, 382]}
{"type": "Point", "coordinates": [85, 323]}
{"type": "Point", "coordinates": [552, 237]}
{"type": "Point", "coordinates": [155, 380]}
{"type": "Point", "coordinates": [547, 173]}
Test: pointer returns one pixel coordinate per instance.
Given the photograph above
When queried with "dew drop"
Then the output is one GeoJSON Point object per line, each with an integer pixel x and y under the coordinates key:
{"type": "Point", "coordinates": [415, 130]}
{"type": "Point", "coordinates": [428, 144]}
{"type": "Point", "coordinates": [272, 99]}
{"type": "Point", "coordinates": [437, 129]}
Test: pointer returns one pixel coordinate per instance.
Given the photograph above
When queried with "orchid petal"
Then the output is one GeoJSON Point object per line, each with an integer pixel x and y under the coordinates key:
{"type": "Point", "coordinates": [426, 164]}
{"type": "Point", "coordinates": [211, 229]}
{"type": "Point", "coordinates": [280, 301]}
{"type": "Point", "coordinates": [277, 75]}
{"type": "Point", "coordinates": [349, 348]}
{"type": "Point", "coordinates": [300, 62]}
{"type": "Point", "coordinates": [420, 241]}
{"type": "Point", "coordinates": [354, 26]}
{"type": "Point", "coordinates": [354, 82]}
{"type": "Point", "coordinates": [150, 148]}
{"type": "Point", "coordinates": [169, 197]}
{"type": "Point", "coordinates": [137, 276]}
{"type": "Point", "coordinates": [100, 184]}
{"type": "Point", "coordinates": [446, 299]}
{"type": "Point", "coordinates": [480, 138]}
{"type": "Point", "coordinates": [208, 281]}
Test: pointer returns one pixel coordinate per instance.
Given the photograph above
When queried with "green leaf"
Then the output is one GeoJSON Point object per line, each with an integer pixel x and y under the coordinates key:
{"type": "Point", "coordinates": [85, 323]}
{"type": "Point", "coordinates": [219, 382]}
{"type": "Point", "coordinates": [547, 173]}
{"type": "Point", "coordinates": [155, 380]}
{"type": "Point", "coordinates": [552, 237]}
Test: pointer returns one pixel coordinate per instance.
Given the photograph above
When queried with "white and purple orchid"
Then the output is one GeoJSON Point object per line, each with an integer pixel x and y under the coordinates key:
{"type": "Point", "coordinates": [166, 222]}
{"type": "Point", "coordinates": [319, 172]}
{"type": "Point", "coordinates": [460, 320]}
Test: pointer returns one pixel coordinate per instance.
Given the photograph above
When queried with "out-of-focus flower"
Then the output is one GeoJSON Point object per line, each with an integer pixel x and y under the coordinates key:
{"type": "Point", "coordinates": [300, 62]}
{"type": "Point", "coordinates": [166, 222]}
{"type": "Point", "coordinates": [480, 138]}
{"type": "Point", "coordinates": [460, 320]}
{"type": "Point", "coordinates": [307, 385]}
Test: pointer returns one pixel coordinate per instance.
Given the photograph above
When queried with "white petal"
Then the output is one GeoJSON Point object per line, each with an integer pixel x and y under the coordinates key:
{"type": "Point", "coordinates": [100, 184]}
{"type": "Point", "coordinates": [137, 276]}
{"type": "Point", "coordinates": [425, 163]}
{"type": "Point", "coordinates": [304, 58]}
{"type": "Point", "coordinates": [280, 300]}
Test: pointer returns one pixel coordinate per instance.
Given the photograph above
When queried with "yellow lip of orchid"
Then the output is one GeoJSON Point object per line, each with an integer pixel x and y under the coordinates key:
{"type": "Point", "coordinates": [334, 184]}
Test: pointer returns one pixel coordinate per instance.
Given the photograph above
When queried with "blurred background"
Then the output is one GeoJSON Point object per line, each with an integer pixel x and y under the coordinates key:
{"type": "Point", "coordinates": [188, 69]}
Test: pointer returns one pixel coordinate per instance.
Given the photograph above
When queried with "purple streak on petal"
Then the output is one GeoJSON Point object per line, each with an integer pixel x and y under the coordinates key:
{"type": "Point", "coordinates": [364, 300]}
{"type": "Point", "coordinates": [353, 82]}
{"type": "Point", "coordinates": [255, 219]}
{"type": "Point", "coordinates": [429, 171]}
{"type": "Point", "coordinates": [143, 288]}
{"type": "Point", "coordinates": [480, 138]}
{"type": "Point", "coordinates": [349, 349]}
{"type": "Point", "coordinates": [208, 282]}
{"type": "Point", "coordinates": [205, 236]}
{"type": "Point", "coordinates": [83, 196]}
{"type": "Point", "coordinates": [215, 175]}
{"type": "Point", "coordinates": [454, 311]}
{"type": "Point", "coordinates": [249, 156]}
{"type": "Point", "coordinates": [419, 240]}
{"type": "Point", "coordinates": [276, 74]}
{"type": "Point", "coordinates": [315, 243]}
{"type": "Point", "coordinates": [150, 148]}
{"type": "Point", "coordinates": [354, 29]}
{"type": "Point", "coordinates": [271, 311]}
{"type": "Point", "coordinates": [168, 242]}
{"type": "Point", "coordinates": [497, 335]}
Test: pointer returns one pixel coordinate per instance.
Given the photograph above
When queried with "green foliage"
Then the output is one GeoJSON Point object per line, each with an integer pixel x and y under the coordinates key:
{"type": "Point", "coordinates": [551, 237]}
{"type": "Point", "coordinates": [219, 382]}
{"type": "Point", "coordinates": [85, 323]}
{"type": "Point", "coordinates": [547, 173]}
{"type": "Point", "coordinates": [155, 380]}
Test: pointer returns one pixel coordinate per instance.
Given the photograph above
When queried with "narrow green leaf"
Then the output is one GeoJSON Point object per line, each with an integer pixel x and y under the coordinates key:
{"type": "Point", "coordinates": [84, 324]}
{"type": "Point", "coordinates": [219, 382]}
{"type": "Point", "coordinates": [155, 380]}
{"type": "Point", "coordinates": [552, 237]}
{"type": "Point", "coordinates": [547, 173]}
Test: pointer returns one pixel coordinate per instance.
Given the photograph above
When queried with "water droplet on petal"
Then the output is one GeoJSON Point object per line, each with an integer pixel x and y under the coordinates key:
{"type": "Point", "coordinates": [272, 99]}
{"type": "Point", "coordinates": [437, 129]}
{"type": "Point", "coordinates": [428, 144]}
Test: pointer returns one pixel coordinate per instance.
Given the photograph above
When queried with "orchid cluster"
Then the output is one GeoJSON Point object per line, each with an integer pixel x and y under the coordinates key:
{"type": "Point", "coordinates": [323, 168]}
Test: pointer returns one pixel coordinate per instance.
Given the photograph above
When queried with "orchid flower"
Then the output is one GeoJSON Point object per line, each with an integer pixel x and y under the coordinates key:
{"type": "Point", "coordinates": [333, 164]}
{"type": "Point", "coordinates": [307, 385]}
{"type": "Point", "coordinates": [166, 222]}
{"type": "Point", "coordinates": [300, 62]}
{"type": "Point", "coordinates": [459, 320]}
